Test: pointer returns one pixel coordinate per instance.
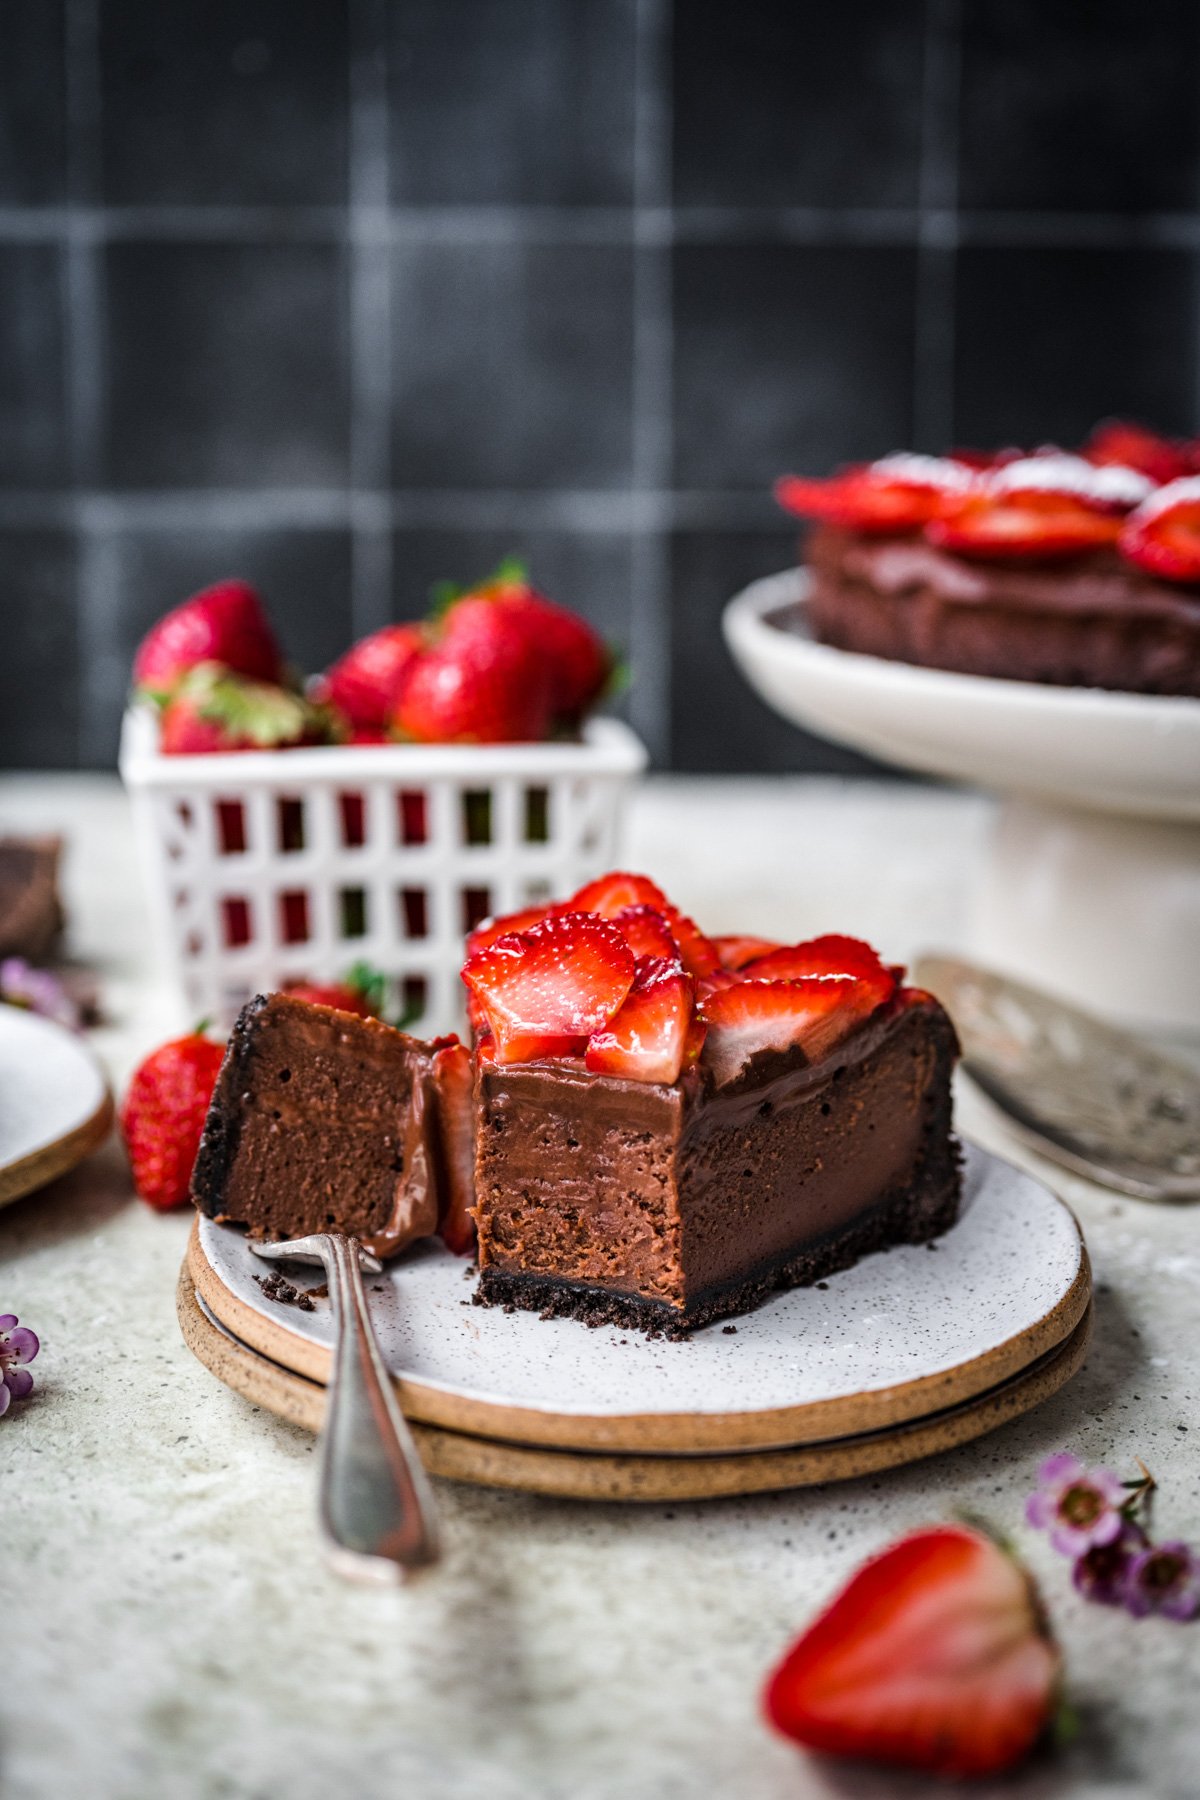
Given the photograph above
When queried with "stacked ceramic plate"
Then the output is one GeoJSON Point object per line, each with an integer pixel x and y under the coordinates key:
{"type": "Point", "coordinates": [906, 1354]}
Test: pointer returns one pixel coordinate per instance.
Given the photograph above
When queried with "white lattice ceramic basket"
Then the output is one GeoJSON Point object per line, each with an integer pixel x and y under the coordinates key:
{"type": "Point", "coordinates": [268, 866]}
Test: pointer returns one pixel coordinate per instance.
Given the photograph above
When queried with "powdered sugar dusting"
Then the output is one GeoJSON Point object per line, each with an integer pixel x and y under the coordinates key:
{"type": "Point", "coordinates": [1111, 484]}
{"type": "Point", "coordinates": [1161, 500]}
{"type": "Point", "coordinates": [915, 470]}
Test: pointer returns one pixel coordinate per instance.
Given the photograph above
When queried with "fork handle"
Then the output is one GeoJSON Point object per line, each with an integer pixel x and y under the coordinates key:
{"type": "Point", "coordinates": [376, 1509]}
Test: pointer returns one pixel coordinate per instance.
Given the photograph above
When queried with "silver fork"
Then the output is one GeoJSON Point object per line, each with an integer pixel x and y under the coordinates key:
{"type": "Point", "coordinates": [376, 1510]}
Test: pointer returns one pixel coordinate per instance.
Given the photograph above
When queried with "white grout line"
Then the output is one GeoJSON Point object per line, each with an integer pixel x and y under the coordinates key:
{"type": "Point", "coordinates": [599, 225]}
{"type": "Point", "coordinates": [649, 648]}
{"type": "Point", "coordinates": [645, 512]}
{"type": "Point", "coordinates": [84, 333]}
{"type": "Point", "coordinates": [938, 230]}
{"type": "Point", "coordinates": [370, 317]}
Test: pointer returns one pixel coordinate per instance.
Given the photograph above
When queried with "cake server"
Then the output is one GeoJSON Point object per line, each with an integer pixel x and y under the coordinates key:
{"type": "Point", "coordinates": [1084, 1093]}
{"type": "Point", "coordinates": [376, 1509]}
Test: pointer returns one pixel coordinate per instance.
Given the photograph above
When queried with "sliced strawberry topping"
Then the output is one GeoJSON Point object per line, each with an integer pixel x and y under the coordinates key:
{"type": "Point", "coordinates": [898, 493]}
{"type": "Point", "coordinates": [647, 1038]}
{"type": "Point", "coordinates": [736, 952]}
{"type": "Point", "coordinates": [829, 955]}
{"type": "Point", "coordinates": [1163, 535]}
{"type": "Point", "coordinates": [545, 989]}
{"type": "Point", "coordinates": [454, 1081]}
{"type": "Point", "coordinates": [696, 952]}
{"type": "Point", "coordinates": [1030, 526]}
{"type": "Point", "coordinates": [610, 894]}
{"type": "Point", "coordinates": [647, 932]}
{"type": "Point", "coordinates": [1134, 447]}
{"type": "Point", "coordinates": [693, 1043]}
{"type": "Point", "coordinates": [775, 1015]}
{"type": "Point", "coordinates": [936, 1655]}
{"type": "Point", "coordinates": [488, 930]}
{"type": "Point", "coordinates": [1111, 488]}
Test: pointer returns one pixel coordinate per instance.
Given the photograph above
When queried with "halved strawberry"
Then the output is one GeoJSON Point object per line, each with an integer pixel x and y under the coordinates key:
{"type": "Point", "coordinates": [612, 893]}
{"type": "Point", "coordinates": [735, 952]}
{"type": "Point", "coordinates": [828, 955]}
{"type": "Point", "coordinates": [751, 1016]}
{"type": "Point", "coordinates": [1135, 447]}
{"type": "Point", "coordinates": [897, 493]}
{"type": "Point", "coordinates": [547, 989]}
{"type": "Point", "coordinates": [1163, 535]}
{"type": "Point", "coordinates": [645, 1040]}
{"type": "Point", "coordinates": [1028, 526]}
{"type": "Point", "coordinates": [647, 932]}
{"type": "Point", "coordinates": [936, 1655]}
{"type": "Point", "coordinates": [454, 1081]}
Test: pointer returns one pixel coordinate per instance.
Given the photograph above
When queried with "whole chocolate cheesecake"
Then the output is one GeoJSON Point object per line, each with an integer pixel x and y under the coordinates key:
{"type": "Point", "coordinates": [1073, 570]}
{"type": "Point", "coordinates": [655, 1129]}
{"type": "Point", "coordinates": [1095, 622]}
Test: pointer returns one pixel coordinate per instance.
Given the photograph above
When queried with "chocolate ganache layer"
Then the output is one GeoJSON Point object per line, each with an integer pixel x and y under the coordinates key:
{"type": "Point", "coordinates": [1095, 621]}
{"type": "Point", "coordinates": [663, 1208]}
{"type": "Point", "coordinates": [322, 1121]}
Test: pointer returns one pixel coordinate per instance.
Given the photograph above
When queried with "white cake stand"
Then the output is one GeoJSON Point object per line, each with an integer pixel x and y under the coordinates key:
{"type": "Point", "coordinates": [1092, 888]}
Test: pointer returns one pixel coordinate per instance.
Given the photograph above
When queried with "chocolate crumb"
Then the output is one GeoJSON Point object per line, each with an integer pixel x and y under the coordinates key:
{"type": "Point", "coordinates": [728, 1330]}
{"type": "Point", "coordinates": [275, 1288]}
{"type": "Point", "coordinates": [931, 1246]}
{"type": "Point", "coordinates": [509, 1307]}
{"type": "Point", "coordinates": [824, 1285]}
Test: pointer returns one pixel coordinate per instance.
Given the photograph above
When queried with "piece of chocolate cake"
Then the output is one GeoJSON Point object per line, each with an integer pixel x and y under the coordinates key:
{"type": "Point", "coordinates": [746, 1116]}
{"type": "Point", "coordinates": [662, 1127]}
{"type": "Point", "coordinates": [620, 1202]}
{"type": "Point", "coordinates": [323, 1121]}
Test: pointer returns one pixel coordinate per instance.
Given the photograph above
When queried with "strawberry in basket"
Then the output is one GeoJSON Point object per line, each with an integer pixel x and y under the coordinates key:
{"type": "Point", "coordinates": [223, 624]}
{"type": "Point", "coordinates": [212, 709]}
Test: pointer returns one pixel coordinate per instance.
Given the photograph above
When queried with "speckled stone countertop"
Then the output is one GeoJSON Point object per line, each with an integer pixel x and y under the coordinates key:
{"type": "Point", "coordinates": [168, 1629]}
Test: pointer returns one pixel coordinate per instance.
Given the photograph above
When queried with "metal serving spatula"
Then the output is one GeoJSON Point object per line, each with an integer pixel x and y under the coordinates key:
{"type": "Point", "coordinates": [376, 1510]}
{"type": "Point", "coordinates": [1090, 1096]}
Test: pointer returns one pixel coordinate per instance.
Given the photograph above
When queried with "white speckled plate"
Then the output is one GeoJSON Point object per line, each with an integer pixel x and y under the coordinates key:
{"type": "Point", "coordinates": [54, 1102]}
{"type": "Point", "coordinates": [898, 1337]}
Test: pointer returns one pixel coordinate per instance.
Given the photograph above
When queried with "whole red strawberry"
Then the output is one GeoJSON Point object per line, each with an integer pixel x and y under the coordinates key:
{"type": "Point", "coordinates": [163, 1113]}
{"type": "Point", "coordinates": [365, 683]}
{"type": "Point", "coordinates": [364, 991]}
{"type": "Point", "coordinates": [222, 624]}
{"type": "Point", "coordinates": [482, 682]}
{"type": "Point", "coordinates": [215, 710]}
{"type": "Point", "coordinates": [579, 661]}
{"type": "Point", "coordinates": [936, 1655]}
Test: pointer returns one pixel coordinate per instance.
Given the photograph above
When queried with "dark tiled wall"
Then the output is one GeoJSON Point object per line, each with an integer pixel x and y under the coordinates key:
{"type": "Point", "coordinates": [350, 296]}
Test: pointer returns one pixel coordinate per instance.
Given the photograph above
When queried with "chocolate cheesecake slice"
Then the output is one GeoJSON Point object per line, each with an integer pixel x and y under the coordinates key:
{"type": "Point", "coordinates": [665, 1207]}
{"type": "Point", "coordinates": [324, 1121]}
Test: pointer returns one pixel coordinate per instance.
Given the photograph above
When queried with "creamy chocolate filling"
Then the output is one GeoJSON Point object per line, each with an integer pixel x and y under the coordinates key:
{"type": "Point", "coordinates": [674, 1194]}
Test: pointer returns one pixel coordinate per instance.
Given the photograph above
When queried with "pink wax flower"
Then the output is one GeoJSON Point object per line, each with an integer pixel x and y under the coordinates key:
{"type": "Point", "coordinates": [1081, 1508]}
{"type": "Point", "coordinates": [18, 1346]}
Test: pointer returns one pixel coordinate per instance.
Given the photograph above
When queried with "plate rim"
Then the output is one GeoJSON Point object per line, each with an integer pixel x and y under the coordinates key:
{"type": "Point", "coordinates": [623, 1477]}
{"type": "Point", "coordinates": [57, 1155]}
{"type": "Point", "coordinates": [673, 1433]}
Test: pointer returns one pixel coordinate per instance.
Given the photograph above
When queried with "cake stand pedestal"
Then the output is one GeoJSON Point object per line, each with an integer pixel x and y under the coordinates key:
{"type": "Point", "coordinates": [1092, 885]}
